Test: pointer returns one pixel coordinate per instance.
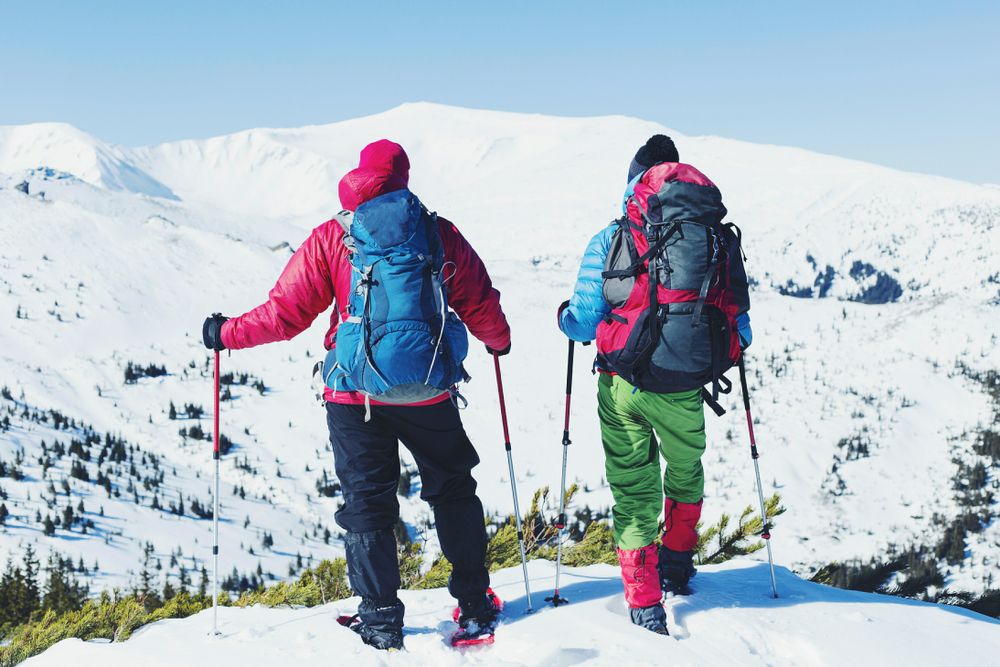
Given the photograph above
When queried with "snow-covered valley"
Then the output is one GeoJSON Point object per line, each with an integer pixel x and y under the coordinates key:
{"type": "Point", "coordinates": [876, 303]}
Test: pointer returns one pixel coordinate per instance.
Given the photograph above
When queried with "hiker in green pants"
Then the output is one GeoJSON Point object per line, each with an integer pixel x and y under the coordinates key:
{"type": "Point", "coordinates": [663, 292]}
{"type": "Point", "coordinates": [636, 429]}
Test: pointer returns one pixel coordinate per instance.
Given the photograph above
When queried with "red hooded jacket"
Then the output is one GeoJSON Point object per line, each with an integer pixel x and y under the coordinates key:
{"type": "Point", "coordinates": [319, 273]}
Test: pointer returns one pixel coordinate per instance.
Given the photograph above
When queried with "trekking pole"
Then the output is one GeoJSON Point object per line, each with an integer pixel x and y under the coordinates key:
{"type": "Point", "coordinates": [556, 600]}
{"type": "Point", "coordinates": [215, 510]}
{"type": "Point", "coordinates": [513, 480]}
{"type": "Point", "coordinates": [766, 533]}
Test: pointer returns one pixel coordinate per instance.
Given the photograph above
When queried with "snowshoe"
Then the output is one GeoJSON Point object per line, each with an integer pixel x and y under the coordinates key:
{"type": "Point", "coordinates": [384, 640]}
{"type": "Point", "coordinates": [652, 618]}
{"type": "Point", "coordinates": [477, 621]}
{"type": "Point", "coordinates": [676, 570]}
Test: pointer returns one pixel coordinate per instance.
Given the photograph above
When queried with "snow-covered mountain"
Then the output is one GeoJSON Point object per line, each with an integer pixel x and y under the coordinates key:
{"type": "Point", "coordinates": [64, 147]}
{"type": "Point", "coordinates": [731, 621]}
{"type": "Point", "coordinates": [875, 304]}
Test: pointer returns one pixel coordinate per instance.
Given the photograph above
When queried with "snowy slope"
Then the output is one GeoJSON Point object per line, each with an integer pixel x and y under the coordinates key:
{"type": "Point", "coordinates": [94, 298]}
{"type": "Point", "coordinates": [109, 272]}
{"type": "Point", "coordinates": [731, 620]}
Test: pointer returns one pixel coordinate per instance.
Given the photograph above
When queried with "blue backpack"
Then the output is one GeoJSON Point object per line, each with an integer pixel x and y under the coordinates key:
{"type": "Point", "coordinates": [400, 343]}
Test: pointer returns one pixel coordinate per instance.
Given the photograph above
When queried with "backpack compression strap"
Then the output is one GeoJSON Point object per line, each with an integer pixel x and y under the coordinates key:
{"type": "Point", "coordinates": [713, 268]}
{"type": "Point", "coordinates": [638, 264]}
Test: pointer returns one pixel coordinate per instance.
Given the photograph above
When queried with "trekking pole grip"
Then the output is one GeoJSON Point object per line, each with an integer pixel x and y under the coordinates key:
{"type": "Point", "coordinates": [503, 402]}
{"type": "Point", "coordinates": [746, 407]}
{"type": "Point", "coordinates": [569, 391]}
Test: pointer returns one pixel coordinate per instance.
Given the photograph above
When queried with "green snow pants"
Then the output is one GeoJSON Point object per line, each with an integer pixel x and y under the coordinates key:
{"type": "Point", "coordinates": [631, 422]}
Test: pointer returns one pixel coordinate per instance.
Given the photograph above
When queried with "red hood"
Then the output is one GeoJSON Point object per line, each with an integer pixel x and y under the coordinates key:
{"type": "Point", "coordinates": [383, 168]}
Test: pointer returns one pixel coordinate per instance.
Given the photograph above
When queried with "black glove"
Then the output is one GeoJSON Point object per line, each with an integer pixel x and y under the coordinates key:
{"type": "Point", "coordinates": [211, 332]}
{"type": "Point", "coordinates": [499, 353]}
{"type": "Point", "coordinates": [562, 306]}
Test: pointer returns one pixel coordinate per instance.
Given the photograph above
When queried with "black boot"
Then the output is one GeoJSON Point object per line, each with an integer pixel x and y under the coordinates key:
{"type": "Point", "coordinates": [379, 625]}
{"type": "Point", "coordinates": [373, 572]}
{"type": "Point", "coordinates": [676, 569]}
{"type": "Point", "coordinates": [652, 618]}
{"type": "Point", "coordinates": [479, 615]}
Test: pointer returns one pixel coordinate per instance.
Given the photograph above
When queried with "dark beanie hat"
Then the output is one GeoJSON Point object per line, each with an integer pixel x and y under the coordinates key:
{"type": "Point", "coordinates": [659, 148]}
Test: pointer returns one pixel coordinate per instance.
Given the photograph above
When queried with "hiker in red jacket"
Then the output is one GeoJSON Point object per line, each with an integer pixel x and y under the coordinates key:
{"type": "Point", "coordinates": [364, 431]}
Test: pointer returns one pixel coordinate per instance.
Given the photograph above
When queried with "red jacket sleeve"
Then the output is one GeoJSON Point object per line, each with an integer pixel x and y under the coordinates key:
{"type": "Point", "coordinates": [470, 291]}
{"type": "Point", "coordinates": [303, 291]}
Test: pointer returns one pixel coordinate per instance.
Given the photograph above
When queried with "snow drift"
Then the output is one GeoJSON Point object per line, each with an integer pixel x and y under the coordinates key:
{"type": "Point", "coordinates": [730, 620]}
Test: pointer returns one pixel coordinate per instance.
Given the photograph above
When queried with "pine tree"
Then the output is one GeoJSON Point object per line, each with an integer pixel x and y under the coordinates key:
{"type": "Point", "coordinates": [18, 592]}
{"type": "Point", "coordinates": [203, 583]}
{"type": "Point", "coordinates": [145, 576]}
{"type": "Point", "coordinates": [4, 513]}
{"type": "Point", "coordinates": [168, 590]}
{"type": "Point", "coordinates": [49, 528]}
{"type": "Point", "coordinates": [184, 578]}
{"type": "Point", "coordinates": [717, 543]}
{"type": "Point", "coordinates": [62, 591]}
{"type": "Point", "coordinates": [31, 565]}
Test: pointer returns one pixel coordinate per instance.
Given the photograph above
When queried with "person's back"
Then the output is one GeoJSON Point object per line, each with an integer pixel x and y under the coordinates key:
{"type": "Point", "coordinates": [364, 431]}
{"type": "Point", "coordinates": [663, 292]}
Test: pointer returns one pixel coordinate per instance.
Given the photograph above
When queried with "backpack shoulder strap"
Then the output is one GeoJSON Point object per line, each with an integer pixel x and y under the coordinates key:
{"type": "Point", "coordinates": [344, 219]}
{"type": "Point", "coordinates": [738, 233]}
{"type": "Point", "coordinates": [623, 233]}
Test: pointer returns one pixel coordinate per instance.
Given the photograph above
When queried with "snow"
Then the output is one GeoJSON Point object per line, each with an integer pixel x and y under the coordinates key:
{"type": "Point", "coordinates": [731, 619]}
{"type": "Point", "coordinates": [117, 254]}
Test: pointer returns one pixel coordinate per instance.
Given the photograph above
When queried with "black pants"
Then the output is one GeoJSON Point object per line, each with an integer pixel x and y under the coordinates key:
{"type": "Point", "coordinates": [366, 457]}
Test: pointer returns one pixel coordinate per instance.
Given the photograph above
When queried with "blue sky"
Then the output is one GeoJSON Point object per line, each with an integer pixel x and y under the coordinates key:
{"type": "Point", "coordinates": [914, 85]}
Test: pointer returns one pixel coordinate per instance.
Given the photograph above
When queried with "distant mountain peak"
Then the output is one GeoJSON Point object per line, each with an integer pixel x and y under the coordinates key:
{"type": "Point", "coordinates": [66, 148]}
